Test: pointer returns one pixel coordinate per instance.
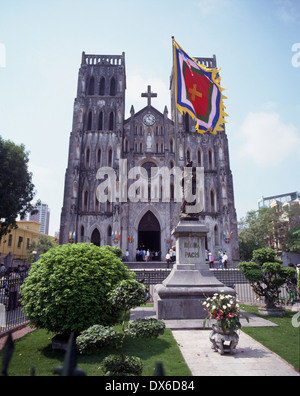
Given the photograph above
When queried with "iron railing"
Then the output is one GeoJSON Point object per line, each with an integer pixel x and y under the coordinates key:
{"type": "Point", "coordinates": [229, 277]}
{"type": "Point", "coordinates": [11, 314]}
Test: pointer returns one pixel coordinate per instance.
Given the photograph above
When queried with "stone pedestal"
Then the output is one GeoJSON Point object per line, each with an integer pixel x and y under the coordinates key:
{"type": "Point", "coordinates": [190, 282]}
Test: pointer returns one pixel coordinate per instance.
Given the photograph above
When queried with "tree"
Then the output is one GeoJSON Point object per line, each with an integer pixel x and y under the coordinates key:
{"type": "Point", "coordinates": [16, 188]}
{"type": "Point", "coordinates": [253, 232]}
{"type": "Point", "coordinates": [67, 289]}
{"type": "Point", "coordinates": [293, 240]}
{"type": "Point", "coordinates": [268, 228]}
{"type": "Point", "coordinates": [41, 246]}
{"type": "Point", "coordinates": [266, 275]}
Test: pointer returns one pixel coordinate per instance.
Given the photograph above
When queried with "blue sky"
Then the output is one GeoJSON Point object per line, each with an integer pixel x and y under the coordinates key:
{"type": "Point", "coordinates": [257, 44]}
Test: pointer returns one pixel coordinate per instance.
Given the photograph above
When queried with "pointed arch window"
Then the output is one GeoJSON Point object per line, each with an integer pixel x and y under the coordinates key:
{"type": "Point", "coordinates": [90, 121]}
{"type": "Point", "coordinates": [82, 233]}
{"type": "Point", "coordinates": [100, 121]}
{"type": "Point", "coordinates": [199, 155]}
{"type": "Point", "coordinates": [216, 234]}
{"type": "Point", "coordinates": [109, 235]}
{"type": "Point", "coordinates": [171, 146]}
{"type": "Point", "coordinates": [210, 159]}
{"type": "Point", "coordinates": [97, 203]}
{"type": "Point", "coordinates": [188, 154]}
{"type": "Point", "coordinates": [87, 157]}
{"type": "Point", "coordinates": [85, 200]}
{"type": "Point", "coordinates": [187, 122]}
{"type": "Point", "coordinates": [111, 121]}
{"type": "Point", "coordinates": [112, 88]}
{"type": "Point", "coordinates": [92, 86]}
{"type": "Point", "coordinates": [109, 161]}
{"type": "Point", "coordinates": [102, 86]}
{"type": "Point", "coordinates": [213, 201]}
{"type": "Point", "coordinates": [126, 149]}
{"type": "Point", "coordinates": [99, 152]}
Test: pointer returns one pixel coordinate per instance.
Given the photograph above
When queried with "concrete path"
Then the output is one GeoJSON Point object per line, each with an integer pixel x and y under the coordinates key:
{"type": "Point", "coordinates": [250, 359]}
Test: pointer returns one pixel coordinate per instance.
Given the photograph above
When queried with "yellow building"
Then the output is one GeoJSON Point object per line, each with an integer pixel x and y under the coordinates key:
{"type": "Point", "coordinates": [18, 240]}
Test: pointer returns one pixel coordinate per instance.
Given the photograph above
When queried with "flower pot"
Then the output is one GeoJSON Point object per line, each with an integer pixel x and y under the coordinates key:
{"type": "Point", "coordinates": [223, 342]}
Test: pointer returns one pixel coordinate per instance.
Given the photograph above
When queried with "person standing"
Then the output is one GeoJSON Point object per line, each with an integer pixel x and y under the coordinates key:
{"type": "Point", "coordinates": [211, 260]}
{"type": "Point", "coordinates": [168, 259]}
{"type": "Point", "coordinates": [225, 260]}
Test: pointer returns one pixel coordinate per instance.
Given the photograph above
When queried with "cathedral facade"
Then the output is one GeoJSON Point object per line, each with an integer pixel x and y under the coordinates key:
{"type": "Point", "coordinates": [102, 138]}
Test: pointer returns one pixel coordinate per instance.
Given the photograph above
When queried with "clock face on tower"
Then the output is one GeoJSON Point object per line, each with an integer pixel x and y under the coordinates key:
{"type": "Point", "coordinates": [149, 119]}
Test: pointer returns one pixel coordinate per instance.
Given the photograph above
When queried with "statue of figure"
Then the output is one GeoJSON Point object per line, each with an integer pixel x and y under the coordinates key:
{"type": "Point", "coordinates": [188, 187]}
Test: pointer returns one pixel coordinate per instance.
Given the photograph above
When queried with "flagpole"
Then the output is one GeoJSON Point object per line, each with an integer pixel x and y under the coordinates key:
{"type": "Point", "coordinates": [175, 119]}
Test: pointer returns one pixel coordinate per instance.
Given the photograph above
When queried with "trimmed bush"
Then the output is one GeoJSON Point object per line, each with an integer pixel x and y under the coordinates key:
{"type": "Point", "coordinates": [67, 289]}
{"type": "Point", "coordinates": [118, 365]}
{"type": "Point", "coordinates": [145, 328]}
{"type": "Point", "coordinates": [95, 338]}
{"type": "Point", "coordinates": [128, 294]}
{"type": "Point", "coordinates": [267, 275]}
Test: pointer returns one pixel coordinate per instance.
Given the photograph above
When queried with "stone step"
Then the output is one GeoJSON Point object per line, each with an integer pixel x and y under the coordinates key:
{"type": "Point", "coordinates": [134, 265]}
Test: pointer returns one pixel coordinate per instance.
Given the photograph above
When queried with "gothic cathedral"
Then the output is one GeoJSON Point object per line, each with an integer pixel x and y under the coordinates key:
{"type": "Point", "coordinates": [102, 137]}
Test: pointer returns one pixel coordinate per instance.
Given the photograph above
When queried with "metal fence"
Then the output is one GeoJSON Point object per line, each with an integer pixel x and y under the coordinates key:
{"type": "Point", "coordinates": [229, 277]}
{"type": "Point", "coordinates": [11, 314]}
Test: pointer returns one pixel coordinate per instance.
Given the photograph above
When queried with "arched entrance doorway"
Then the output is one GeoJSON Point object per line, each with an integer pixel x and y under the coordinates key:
{"type": "Point", "coordinates": [149, 233]}
{"type": "Point", "coordinates": [95, 238]}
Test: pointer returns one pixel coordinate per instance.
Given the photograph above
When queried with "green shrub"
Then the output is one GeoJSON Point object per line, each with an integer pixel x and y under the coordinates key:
{"type": "Point", "coordinates": [266, 275]}
{"type": "Point", "coordinates": [118, 365]}
{"type": "Point", "coordinates": [95, 338]}
{"type": "Point", "coordinates": [128, 294]}
{"type": "Point", "coordinates": [67, 289]}
{"type": "Point", "coordinates": [145, 328]}
{"type": "Point", "coordinates": [115, 249]}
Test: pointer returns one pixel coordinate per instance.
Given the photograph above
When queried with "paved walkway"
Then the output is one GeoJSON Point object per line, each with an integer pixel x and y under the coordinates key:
{"type": "Point", "coordinates": [250, 359]}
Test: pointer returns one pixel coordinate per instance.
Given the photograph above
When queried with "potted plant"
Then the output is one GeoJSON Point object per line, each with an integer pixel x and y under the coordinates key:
{"type": "Point", "coordinates": [225, 310]}
{"type": "Point", "coordinates": [267, 275]}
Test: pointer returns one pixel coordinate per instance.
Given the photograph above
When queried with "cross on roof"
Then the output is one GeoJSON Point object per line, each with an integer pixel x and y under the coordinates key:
{"type": "Point", "coordinates": [149, 95]}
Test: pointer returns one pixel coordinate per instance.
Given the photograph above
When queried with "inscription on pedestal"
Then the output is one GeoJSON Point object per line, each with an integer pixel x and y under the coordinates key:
{"type": "Point", "coordinates": [191, 250]}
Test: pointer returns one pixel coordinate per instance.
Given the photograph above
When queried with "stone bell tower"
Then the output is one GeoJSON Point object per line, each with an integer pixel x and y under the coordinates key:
{"type": "Point", "coordinates": [95, 142]}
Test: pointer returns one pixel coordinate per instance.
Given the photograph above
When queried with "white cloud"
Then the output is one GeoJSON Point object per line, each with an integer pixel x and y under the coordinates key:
{"type": "Point", "coordinates": [266, 140]}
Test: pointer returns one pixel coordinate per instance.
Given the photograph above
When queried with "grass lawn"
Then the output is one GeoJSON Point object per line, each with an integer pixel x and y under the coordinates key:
{"type": "Point", "coordinates": [34, 349]}
{"type": "Point", "coordinates": [283, 340]}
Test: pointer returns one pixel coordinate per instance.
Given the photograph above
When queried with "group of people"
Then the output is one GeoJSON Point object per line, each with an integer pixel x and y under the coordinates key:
{"type": "Point", "coordinates": [146, 255]}
{"type": "Point", "coordinates": [222, 259]}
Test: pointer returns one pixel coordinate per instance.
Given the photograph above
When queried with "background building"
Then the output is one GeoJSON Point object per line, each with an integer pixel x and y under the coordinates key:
{"type": "Point", "coordinates": [101, 136]}
{"type": "Point", "coordinates": [17, 242]}
{"type": "Point", "coordinates": [42, 216]}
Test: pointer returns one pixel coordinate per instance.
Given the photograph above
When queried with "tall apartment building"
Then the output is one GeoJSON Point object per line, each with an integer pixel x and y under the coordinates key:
{"type": "Point", "coordinates": [43, 217]}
